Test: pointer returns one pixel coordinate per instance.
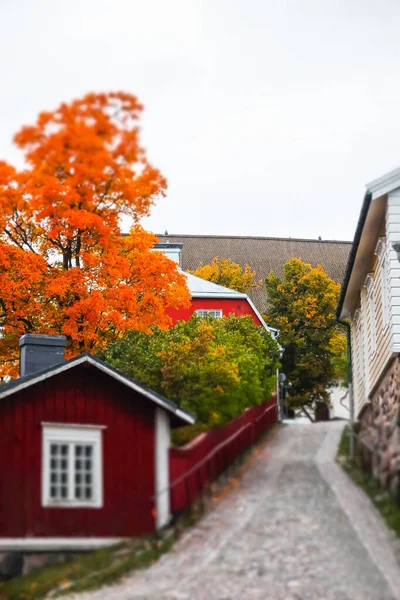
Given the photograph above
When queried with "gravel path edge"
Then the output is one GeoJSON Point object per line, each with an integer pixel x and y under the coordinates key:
{"type": "Point", "coordinates": [369, 526]}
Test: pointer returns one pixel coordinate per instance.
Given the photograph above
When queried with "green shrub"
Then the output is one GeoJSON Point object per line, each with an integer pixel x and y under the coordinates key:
{"type": "Point", "coordinates": [213, 368]}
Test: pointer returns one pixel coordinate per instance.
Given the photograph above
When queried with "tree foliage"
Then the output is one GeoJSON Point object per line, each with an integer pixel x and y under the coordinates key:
{"type": "Point", "coordinates": [229, 274]}
{"type": "Point", "coordinates": [302, 306]}
{"type": "Point", "coordinates": [213, 368]}
{"type": "Point", "coordinates": [64, 267]}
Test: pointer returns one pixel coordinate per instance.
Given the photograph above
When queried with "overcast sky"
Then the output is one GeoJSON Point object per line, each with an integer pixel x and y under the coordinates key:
{"type": "Point", "coordinates": [267, 117]}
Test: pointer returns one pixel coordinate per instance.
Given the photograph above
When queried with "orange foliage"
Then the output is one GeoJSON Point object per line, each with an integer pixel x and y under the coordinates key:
{"type": "Point", "coordinates": [65, 267]}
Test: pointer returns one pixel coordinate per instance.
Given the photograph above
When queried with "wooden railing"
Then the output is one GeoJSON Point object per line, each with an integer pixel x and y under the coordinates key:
{"type": "Point", "coordinates": [195, 465]}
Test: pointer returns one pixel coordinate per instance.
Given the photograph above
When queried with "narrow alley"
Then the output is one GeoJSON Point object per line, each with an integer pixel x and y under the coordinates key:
{"type": "Point", "coordinates": [295, 528]}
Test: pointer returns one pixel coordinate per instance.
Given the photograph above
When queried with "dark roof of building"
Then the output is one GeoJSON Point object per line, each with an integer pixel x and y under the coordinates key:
{"type": "Point", "coordinates": [14, 386]}
{"type": "Point", "coordinates": [263, 254]}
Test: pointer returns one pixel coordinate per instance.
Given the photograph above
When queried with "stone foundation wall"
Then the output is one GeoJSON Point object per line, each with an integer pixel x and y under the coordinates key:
{"type": "Point", "coordinates": [380, 431]}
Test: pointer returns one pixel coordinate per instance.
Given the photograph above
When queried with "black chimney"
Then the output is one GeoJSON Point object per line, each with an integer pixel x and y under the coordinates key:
{"type": "Point", "coordinates": [40, 351]}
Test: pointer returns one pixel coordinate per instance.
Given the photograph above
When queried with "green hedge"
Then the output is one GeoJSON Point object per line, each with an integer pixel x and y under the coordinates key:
{"type": "Point", "coordinates": [213, 368]}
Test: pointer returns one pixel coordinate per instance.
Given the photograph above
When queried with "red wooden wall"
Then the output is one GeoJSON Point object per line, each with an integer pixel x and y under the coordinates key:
{"type": "Point", "coordinates": [238, 307]}
{"type": "Point", "coordinates": [81, 396]}
{"type": "Point", "coordinates": [196, 464]}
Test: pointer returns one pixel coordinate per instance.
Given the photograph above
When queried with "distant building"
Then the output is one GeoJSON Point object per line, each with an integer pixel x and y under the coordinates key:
{"type": "Point", "coordinates": [263, 254]}
{"type": "Point", "coordinates": [209, 298]}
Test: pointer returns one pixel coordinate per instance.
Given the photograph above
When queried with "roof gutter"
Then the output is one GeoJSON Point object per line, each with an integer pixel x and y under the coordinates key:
{"type": "Point", "coordinates": [353, 252]}
{"type": "Point", "coordinates": [346, 324]}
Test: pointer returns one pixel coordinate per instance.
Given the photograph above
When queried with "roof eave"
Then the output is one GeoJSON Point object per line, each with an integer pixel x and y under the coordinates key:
{"type": "Point", "coordinates": [128, 382]}
{"type": "Point", "coordinates": [222, 296]}
{"type": "Point", "coordinates": [353, 252]}
{"type": "Point", "coordinates": [382, 185]}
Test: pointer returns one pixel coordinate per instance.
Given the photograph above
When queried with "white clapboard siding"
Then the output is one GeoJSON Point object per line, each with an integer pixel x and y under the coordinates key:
{"type": "Point", "coordinates": [364, 343]}
{"type": "Point", "coordinates": [393, 265]}
{"type": "Point", "coordinates": [371, 329]}
{"type": "Point", "coordinates": [357, 342]}
{"type": "Point", "coordinates": [378, 359]}
{"type": "Point", "coordinates": [375, 326]}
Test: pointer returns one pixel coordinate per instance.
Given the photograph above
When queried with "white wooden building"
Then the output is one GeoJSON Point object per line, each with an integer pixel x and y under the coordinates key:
{"type": "Point", "coordinates": [370, 298]}
{"type": "Point", "coordinates": [371, 289]}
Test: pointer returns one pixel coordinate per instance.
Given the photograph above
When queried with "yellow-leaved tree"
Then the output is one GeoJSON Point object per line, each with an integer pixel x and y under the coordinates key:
{"type": "Point", "coordinates": [302, 306]}
{"type": "Point", "coordinates": [229, 274]}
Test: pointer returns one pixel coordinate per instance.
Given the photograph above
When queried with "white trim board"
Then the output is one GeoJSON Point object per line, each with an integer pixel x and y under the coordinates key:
{"type": "Point", "coordinates": [162, 442]}
{"type": "Point", "coordinates": [51, 544]}
{"type": "Point", "coordinates": [72, 425]}
{"type": "Point", "coordinates": [274, 332]}
{"type": "Point", "coordinates": [385, 184]}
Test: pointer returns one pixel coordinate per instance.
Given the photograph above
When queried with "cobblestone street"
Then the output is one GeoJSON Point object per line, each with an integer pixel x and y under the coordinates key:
{"type": "Point", "coordinates": [295, 528]}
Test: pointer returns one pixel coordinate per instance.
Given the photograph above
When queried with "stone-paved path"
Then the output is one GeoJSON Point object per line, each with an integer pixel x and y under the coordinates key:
{"type": "Point", "coordinates": [295, 528]}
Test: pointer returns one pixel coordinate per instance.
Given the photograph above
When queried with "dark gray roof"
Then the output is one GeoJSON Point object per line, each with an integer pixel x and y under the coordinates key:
{"type": "Point", "coordinates": [14, 386]}
{"type": "Point", "coordinates": [263, 254]}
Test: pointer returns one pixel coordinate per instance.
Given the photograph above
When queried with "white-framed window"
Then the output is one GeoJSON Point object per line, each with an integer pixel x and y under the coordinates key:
{"type": "Point", "coordinates": [72, 474]}
{"type": "Point", "coordinates": [380, 252]}
{"type": "Point", "coordinates": [216, 313]}
{"type": "Point", "coordinates": [369, 284]}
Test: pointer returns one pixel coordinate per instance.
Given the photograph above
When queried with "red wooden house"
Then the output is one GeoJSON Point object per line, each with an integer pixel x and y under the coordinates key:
{"type": "Point", "coordinates": [83, 452]}
{"type": "Point", "coordinates": [210, 298]}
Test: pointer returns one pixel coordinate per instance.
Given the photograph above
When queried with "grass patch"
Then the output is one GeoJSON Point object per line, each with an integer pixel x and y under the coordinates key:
{"type": "Point", "coordinates": [89, 571]}
{"type": "Point", "coordinates": [382, 499]}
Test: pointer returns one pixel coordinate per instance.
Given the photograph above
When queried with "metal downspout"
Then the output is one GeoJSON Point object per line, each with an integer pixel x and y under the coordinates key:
{"type": "Point", "coordinates": [351, 395]}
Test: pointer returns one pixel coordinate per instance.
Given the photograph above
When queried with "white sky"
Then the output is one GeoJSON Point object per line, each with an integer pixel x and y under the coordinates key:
{"type": "Point", "coordinates": [267, 117]}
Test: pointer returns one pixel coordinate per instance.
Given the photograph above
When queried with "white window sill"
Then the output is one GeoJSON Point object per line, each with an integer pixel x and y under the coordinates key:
{"type": "Point", "coordinates": [72, 504]}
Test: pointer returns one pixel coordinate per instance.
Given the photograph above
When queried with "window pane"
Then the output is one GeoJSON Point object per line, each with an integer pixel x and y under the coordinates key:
{"type": "Point", "coordinates": [83, 472]}
{"type": "Point", "coordinates": [68, 460]}
{"type": "Point", "coordinates": [58, 472]}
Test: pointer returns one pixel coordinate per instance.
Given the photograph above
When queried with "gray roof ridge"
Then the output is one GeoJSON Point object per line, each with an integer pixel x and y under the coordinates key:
{"type": "Point", "coordinates": [251, 237]}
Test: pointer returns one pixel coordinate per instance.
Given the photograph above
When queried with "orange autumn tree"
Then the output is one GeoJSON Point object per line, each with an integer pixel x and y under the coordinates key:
{"type": "Point", "coordinates": [65, 267]}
